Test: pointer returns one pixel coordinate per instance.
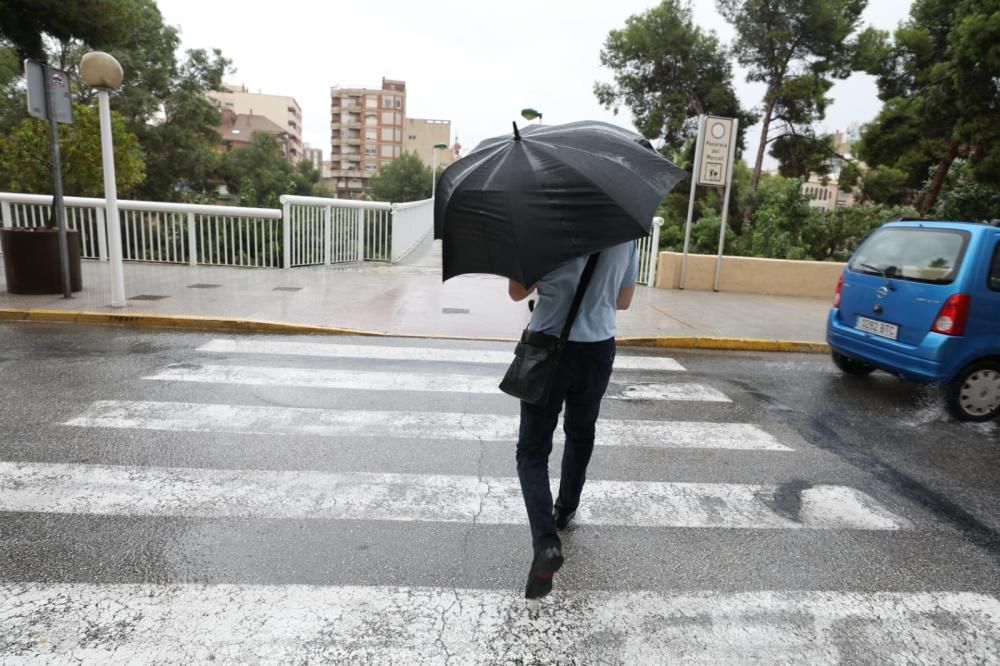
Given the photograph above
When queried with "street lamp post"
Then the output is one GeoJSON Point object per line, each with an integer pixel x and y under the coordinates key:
{"type": "Point", "coordinates": [434, 159]}
{"type": "Point", "coordinates": [101, 71]}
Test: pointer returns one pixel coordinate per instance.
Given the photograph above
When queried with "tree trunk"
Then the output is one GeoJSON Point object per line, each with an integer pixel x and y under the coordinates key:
{"type": "Point", "coordinates": [939, 175]}
{"type": "Point", "coordinates": [762, 146]}
{"type": "Point", "coordinates": [759, 164]}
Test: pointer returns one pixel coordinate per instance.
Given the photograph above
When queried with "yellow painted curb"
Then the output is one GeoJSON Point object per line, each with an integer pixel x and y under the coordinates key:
{"type": "Point", "coordinates": [729, 344]}
{"type": "Point", "coordinates": [193, 323]}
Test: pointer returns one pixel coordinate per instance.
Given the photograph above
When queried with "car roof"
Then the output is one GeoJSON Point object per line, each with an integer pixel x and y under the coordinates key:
{"type": "Point", "coordinates": [965, 225]}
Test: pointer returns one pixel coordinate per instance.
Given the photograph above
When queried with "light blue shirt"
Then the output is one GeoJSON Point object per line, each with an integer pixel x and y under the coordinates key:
{"type": "Point", "coordinates": [617, 268]}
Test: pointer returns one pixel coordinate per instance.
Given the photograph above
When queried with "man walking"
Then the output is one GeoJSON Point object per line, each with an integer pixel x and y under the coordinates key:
{"type": "Point", "coordinates": [584, 372]}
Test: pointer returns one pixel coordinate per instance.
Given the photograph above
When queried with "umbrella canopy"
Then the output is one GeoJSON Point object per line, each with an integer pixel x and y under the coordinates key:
{"type": "Point", "coordinates": [521, 204]}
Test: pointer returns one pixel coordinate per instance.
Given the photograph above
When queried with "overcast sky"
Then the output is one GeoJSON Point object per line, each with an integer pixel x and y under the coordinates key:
{"type": "Point", "coordinates": [474, 62]}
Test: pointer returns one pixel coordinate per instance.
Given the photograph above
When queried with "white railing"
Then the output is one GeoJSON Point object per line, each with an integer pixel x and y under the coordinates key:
{"type": "Point", "coordinates": [411, 223]}
{"type": "Point", "coordinates": [307, 231]}
{"type": "Point", "coordinates": [649, 250]}
{"type": "Point", "coordinates": [330, 231]}
{"type": "Point", "coordinates": [162, 232]}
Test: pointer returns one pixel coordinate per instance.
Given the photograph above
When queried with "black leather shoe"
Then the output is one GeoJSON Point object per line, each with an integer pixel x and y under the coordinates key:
{"type": "Point", "coordinates": [563, 518]}
{"type": "Point", "coordinates": [546, 563]}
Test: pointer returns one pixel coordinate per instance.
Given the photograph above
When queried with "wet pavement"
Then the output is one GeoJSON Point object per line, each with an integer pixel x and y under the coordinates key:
{"type": "Point", "coordinates": [181, 497]}
{"type": "Point", "coordinates": [410, 299]}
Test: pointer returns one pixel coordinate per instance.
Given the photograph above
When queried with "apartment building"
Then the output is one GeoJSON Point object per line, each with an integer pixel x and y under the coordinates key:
{"type": "Point", "coordinates": [422, 135]}
{"type": "Point", "coordinates": [366, 132]}
{"type": "Point", "coordinates": [314, 155]}
{"type": "Point", "coordinates": [283, 111]}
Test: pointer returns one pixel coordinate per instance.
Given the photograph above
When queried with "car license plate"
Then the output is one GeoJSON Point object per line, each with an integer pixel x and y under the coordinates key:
{"type": "Point", "coordinates": [879, 328]}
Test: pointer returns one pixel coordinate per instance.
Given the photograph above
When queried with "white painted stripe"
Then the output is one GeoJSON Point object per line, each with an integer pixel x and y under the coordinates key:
{"type": "Point", "coordinates": [269, 420]}
{"type": "Point", "coordinates": [365, 380]}
{"type": "Point", "coordinates": [225, 493]}
{"type": "Point", "coordinates": [439, 354]}
{"type": "Point", "coordinates": [240, 624]}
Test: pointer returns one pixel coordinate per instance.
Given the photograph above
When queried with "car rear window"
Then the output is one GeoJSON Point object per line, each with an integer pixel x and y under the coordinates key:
{"type": "Point", "coordinates": [917, 254]}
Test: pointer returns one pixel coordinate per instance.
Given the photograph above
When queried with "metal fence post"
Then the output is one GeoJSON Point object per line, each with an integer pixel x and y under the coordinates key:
{"type": "Point", "coordinates": [327, 235]}
{"type": "Point", "coordinates": [102, 234]}
{"type": "Point", "coordinates": [5, 218]}
{"type": "Point", "coordinates": [286, 235]}
{"type": "Point", "coordinates": [192, 240]}
{"type": "Point", "coordinates": [654, 252]}
{"type": "Point", "coordinates": [361, 234]}
{"type": "Point", "coordinates": [393, 233]}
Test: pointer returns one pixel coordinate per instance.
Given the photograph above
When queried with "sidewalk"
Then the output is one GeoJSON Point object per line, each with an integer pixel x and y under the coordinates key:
{"type": "Point", "coordinates": [408, 299]}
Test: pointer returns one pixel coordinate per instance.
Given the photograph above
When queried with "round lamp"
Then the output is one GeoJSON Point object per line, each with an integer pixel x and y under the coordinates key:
{"type": "Point", "coordinates": [101, 70]}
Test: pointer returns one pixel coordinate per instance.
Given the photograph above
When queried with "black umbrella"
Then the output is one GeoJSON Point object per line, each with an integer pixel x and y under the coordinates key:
{"type": "Point", "coordinates": [520, 205]}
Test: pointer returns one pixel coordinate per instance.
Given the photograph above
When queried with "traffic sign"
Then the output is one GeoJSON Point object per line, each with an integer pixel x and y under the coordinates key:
{"type": "Point", "coordinates": [714, 168]}
{"type": "Point", "coordinates": [61, 97]}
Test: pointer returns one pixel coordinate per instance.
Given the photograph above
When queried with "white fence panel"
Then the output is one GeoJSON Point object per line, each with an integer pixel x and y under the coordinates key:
{"type": "Point", "coordinates": [333, 231]}
{"type": "Point", "coordinates": [411, 223]}
{"type": "Point", "coordinates": [162, 232]}
{"type": "Point", "coordinates": [649, 249]}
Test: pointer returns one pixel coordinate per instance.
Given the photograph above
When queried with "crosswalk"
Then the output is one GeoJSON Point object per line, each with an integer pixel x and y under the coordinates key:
{"type": "Point", "coordinates": [213, 400]}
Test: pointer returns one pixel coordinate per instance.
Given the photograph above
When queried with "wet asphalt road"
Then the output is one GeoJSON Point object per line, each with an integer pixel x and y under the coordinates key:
{"type": "Point", "coordinates": [887, 439]}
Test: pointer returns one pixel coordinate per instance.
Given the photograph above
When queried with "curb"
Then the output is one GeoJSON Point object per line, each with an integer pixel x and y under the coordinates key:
{"type": "Point", "coordinates": [195, 323]}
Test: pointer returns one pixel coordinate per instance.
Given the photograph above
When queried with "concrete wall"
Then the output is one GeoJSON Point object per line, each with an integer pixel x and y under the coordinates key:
{"type": "Point", "coordinates": [751, 275]}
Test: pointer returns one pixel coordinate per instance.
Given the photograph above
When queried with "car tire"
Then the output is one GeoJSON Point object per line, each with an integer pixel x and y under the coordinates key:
{"type": "Point", "coordinates": [851, 367]}
{"type": "Point", "coordinates": [974, 395]}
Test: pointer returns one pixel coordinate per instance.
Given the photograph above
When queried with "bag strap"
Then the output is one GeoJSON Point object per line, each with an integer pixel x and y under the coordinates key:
{"type": "Point", "coordinates": [588, 271]}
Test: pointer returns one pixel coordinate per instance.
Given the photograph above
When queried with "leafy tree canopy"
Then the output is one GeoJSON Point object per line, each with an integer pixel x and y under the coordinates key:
{"type": "Point", "coordinates": [259, 174]}
{"type": "Point", "coordinates": [406, 178]}
{"type": "Point", "coordinates": [26, 23]}
{"type": "Point", "coordinates": [668, 71]}
{"type": "Point", "coordinates": [795, 47]}
{"type": "Point", "coordinates": [26, 164]}
{"type": "Point", "coordinates": [939, 77]}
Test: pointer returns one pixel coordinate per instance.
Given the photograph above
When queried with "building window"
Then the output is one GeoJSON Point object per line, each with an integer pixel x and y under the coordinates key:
{"type": "Point", "coordinates": [399, 136]}
{"type": "Point", "coordinates": [387, 101]}
{"type": "Point", "coordinates": [370, 151]}
{"type": "Point", "coordinates": [396, 151]}
{"type": "Point", "coordinates": [370, 167]}
{"type": "Point", "coordinates": [387, 150]}
{"type": "Point", "coordinates": [371, 102]}
{"type": "Point", "coordinates": [412, 137]}
{"type": "Point", "coordinates": [370, 119]}
{"type": "Point", "coordinates": [371, 135]}
{"type": "Point", "coordinates": [399, 118]}
{"type": "Point", "coordinates": [386, 134]}
{"type": "Point", "coordinates": [399, 103]}
{"type": "Point", "coordinates": [387, 117]}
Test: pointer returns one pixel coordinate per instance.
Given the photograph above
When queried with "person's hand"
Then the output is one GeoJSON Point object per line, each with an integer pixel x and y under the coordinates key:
{"type": "Point", "coordinates": [517, 291]}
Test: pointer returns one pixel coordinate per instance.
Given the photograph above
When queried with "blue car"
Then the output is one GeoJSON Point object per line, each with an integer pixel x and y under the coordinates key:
{"type": "Point", "coordinates": [921, 299]}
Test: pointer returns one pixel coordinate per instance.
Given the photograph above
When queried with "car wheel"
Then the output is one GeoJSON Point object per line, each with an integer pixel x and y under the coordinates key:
{"type": "Point", "coordinates": [852, 367]}
{"type": "Point", "coordinates": [974, 395]}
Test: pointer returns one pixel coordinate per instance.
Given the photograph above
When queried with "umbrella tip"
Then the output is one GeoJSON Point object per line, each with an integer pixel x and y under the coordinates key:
{"type": "Point", "coordinates": [517, 135]}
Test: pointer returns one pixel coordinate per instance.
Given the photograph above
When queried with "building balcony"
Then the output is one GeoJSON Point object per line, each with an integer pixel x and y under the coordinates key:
{"type": "Point", "coordinates": [353, 175]}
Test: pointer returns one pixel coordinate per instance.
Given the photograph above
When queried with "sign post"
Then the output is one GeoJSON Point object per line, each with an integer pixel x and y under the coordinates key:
{"type": "Point", "coordinates": [49, 98]}
{"type": "Point", "coordinates": [715, 153]}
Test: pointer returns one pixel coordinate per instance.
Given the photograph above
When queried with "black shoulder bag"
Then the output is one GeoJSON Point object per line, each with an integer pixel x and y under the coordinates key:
{"type": "Point", "coordinates": [536, 357]}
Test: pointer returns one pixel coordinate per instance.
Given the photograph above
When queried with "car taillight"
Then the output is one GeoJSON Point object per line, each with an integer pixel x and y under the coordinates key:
{"type": "Point", "coordinates": [954, 313]}
{"type": "Point", "coordinates": [836, 296]}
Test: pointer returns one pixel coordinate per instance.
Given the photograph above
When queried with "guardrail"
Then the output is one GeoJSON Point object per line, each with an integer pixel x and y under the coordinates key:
{"type": "Point", "coordinates": [161, 232]}
{"type": "Point", "coordinates": [307, 231]}
{"type": "Point", "coordinates": [649, 249]}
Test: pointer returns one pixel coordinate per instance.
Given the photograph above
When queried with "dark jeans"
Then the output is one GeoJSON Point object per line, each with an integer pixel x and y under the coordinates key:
{"type": "Point", "coordinates": [584, 371]}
